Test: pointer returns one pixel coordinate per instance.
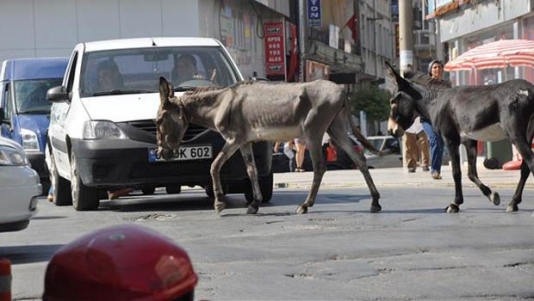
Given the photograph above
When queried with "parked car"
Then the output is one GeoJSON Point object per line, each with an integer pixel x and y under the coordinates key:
{"type": "Point", "coordinates": [389, 144]}
{"type": "Point", "coordinates": [24, 110]}
{"type": "Point", "coordinates": [19, 187]}
{"type": "Point", "coordinates": [103, 139]}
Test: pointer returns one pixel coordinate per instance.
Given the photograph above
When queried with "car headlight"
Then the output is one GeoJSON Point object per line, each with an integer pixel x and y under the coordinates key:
{"type": "Point", "coordinates": [12, 156]}
{"type": "Point", "coordinates": [102, 129]}
{"type": "Point", "coordinates": [30, 142]}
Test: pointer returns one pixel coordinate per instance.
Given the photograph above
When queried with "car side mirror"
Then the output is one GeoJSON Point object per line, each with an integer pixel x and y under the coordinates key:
{"type": "Point", "coordinates": [57, 94]}
{"type": "Point", "coordinates": [3, 117]}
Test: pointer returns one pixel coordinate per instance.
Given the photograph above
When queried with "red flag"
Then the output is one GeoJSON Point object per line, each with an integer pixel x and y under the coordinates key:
{"type": "Point", "coordinates": [352, 24]}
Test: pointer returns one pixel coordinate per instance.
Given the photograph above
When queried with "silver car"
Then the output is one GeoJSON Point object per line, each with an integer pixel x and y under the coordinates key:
{"type": "Point", "coordinates": [19, 187]}
{"type": "Point", "coordinates": [389, 144]}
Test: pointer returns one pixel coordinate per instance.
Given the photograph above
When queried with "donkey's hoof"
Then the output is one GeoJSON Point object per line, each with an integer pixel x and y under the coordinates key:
{"type": "Point", "coordinates": [512, 208]}
{"type": "Point", "coordinates": [252, 209]}
{"type": "Point", "coordinates": [495, 198]}
{"type": "Point", "coordinates": [453, 208]}
{"type": "Point", "coordinates": [302, 209]}
{"type": "Point", "coordinates": [376, 208]}
{"type": "Point", "coordinates": [219, 206]}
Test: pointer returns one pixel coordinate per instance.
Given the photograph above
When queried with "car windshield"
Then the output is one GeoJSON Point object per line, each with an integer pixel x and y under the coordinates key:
{"type": "Point", "coordinates": [131, 71]}
{"type": "Point", "coordinates": [30, 95]}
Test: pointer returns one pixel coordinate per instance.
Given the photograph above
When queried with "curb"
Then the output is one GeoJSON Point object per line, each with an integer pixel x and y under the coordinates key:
{"type": "Point", "coordinates": [289, 185]}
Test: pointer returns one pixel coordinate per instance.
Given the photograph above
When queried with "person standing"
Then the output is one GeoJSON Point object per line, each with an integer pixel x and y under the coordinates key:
{"type": "Point", "coordinates": [435, 71]}
{"type": "Point", "coordinates": [299, 157]}
{"type": "Point", "coordinates": [417, 148]}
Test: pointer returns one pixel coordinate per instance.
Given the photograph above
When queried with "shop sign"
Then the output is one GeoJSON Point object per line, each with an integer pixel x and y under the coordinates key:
{"type": "Point", "coordinates": [275, 54]}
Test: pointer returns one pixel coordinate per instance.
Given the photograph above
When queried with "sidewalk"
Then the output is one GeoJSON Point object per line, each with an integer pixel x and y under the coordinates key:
{"type": "Point", "coordinates": [496, 178]}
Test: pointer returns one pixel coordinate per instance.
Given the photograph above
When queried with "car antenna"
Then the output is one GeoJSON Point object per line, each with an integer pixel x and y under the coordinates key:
{"type": "Point", "coordinates": [153, 42]}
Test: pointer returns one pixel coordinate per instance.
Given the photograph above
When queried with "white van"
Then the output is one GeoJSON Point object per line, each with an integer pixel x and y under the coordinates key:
{"type": "Point", "coordinates": [103, 137]}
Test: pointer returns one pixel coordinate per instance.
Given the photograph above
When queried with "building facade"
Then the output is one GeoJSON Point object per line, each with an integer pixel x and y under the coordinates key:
{"type": "Point", "coordinates": [45, 28]}
{"type": "Point", "coordinates": [465, 24]}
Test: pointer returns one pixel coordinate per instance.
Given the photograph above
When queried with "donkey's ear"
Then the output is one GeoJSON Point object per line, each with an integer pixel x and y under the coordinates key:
{"type": "Point", "coordinates": [395, 76]}
{"type": "Point", "coordinates": [390, 70]}
{"type": "Point", "coordinates": [166, 90]}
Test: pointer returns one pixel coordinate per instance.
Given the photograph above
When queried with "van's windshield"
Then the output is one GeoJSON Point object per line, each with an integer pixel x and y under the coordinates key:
{"type": "Point", "coordinates": [132, 71]}
{"type": "Point", "coordinates": [30, 95]}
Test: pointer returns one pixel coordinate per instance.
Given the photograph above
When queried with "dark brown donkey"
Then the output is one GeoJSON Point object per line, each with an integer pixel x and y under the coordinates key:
{"type": "Point", "coordinates": [248, 112]}
{"type": "Point", "coordinates": [463, 115]}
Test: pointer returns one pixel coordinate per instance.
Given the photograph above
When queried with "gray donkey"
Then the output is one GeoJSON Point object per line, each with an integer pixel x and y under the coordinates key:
{"type": "Point", "coordinates": [248, 112]}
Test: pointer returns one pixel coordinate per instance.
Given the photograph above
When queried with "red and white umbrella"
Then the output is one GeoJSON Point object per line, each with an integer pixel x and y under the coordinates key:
{"type": "Point", "coordinates": [498, 54]}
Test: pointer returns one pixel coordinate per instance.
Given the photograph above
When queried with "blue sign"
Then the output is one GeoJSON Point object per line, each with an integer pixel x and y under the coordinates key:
{"type": "Point", "coordinates": [314, 14]}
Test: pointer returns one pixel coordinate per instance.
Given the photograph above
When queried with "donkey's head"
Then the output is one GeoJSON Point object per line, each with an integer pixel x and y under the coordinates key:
{"type": "Point", "coordinates": [171, 122]}
{"type": "Point", "coordinates": [402, 114]}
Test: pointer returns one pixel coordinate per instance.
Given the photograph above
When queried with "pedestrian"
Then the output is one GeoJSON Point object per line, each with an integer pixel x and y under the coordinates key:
{"type": "Point", "coordinates": [416, 145]}
{"type": "Point", "coordinates": [50, 196]}
{"type": "Point", "coordinates": [122, 262]}
{"type": "Point", "coordinates": [435, 71]}
{"type": "Point", "coordinates": [299, 157]}
{"type": "Point", "coordinates": [289, 151]}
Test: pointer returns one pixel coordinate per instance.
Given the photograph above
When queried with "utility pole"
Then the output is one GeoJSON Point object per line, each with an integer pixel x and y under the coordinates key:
{"type": "Point", "coordinates": [302, 38]}
{"type": "Point", "coordinates": [405, 49]}
{"type": "Point", "coordinates": [405, 35]}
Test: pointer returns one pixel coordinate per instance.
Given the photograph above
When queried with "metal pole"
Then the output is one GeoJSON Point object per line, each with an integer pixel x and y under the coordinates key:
{"type": "Point", "coordinates": [375, 19]}
{"type": "Point", "coordinates": [405, 34]}
{"type": "Point", "coordinates": [302, 38]}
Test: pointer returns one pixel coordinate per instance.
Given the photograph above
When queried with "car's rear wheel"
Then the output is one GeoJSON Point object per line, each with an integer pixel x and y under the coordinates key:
{"type": "Point", "coordinates": [62, 196]}
{"type": "Point", "coordinates": [83, 197]}
{"type": "Point", "coordinates": [209, 190]}
{"type": "Point", "coordinates": [173, 189]}
{"type": "Point", "coordinates": [266, 188]}
{"type": "Point", "coordinates": [149, 190]}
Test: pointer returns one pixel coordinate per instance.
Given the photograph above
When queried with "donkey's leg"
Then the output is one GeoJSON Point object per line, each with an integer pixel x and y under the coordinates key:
{"type": "Point", "coordinates": [252, 171]}
{"type": "Point", "coordinates": [518, 195]}
{"type": "Point", "coordinates": [471, 147]}
{"type": "Point", "coordinates": [454, 153]}
{"type": "Point", "coordinates": [338, 134]}
{"type": "Point", "coordinates": [523, 147]}
{"type": "Point", "coordinates": [227, 151]}
{"type": "Point", "coordinates": [319, 168]}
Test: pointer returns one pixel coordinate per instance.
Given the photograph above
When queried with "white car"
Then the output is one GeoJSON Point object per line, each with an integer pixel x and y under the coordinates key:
{"type": "Point", "coordinates": [391, 145]}
{"type": "Point", "coordinates": [19, 187]}
{"type": "Point", "coordinates": [104, 138]}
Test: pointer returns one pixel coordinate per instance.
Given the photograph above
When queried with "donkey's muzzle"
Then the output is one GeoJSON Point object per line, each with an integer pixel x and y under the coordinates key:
{"type": "Point", "coordinates": [164, 153]}
{"type": "Point", "coordinates": [397, 132]}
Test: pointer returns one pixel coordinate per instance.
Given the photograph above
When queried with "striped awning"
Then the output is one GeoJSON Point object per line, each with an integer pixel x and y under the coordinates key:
{"type": "Point", "coordinates": [498, 54]}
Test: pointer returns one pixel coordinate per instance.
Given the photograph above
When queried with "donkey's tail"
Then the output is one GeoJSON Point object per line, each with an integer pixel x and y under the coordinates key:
{"type": "Point", "coordinates": [356, 132]}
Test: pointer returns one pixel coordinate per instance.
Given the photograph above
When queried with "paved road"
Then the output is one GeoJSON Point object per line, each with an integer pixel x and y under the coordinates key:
{"type": "Point", "coordinates": [338, 251]}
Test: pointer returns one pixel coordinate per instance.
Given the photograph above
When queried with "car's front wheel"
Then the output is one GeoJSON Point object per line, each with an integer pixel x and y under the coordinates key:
{"type": "Point", "coordinates": [83, 197]}
{"type": "Point", "coordinates": [266, 188]}
{"type": "Point", "coordinates": [62, 196]}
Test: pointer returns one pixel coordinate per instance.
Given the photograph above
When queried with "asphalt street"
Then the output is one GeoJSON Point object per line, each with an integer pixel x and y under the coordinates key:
{"type": "Point", "coordinates": [412, 250]}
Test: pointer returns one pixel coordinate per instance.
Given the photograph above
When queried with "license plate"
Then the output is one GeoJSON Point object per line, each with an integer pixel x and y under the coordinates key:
{"type": "Point", "coordinates": [184, 153]}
